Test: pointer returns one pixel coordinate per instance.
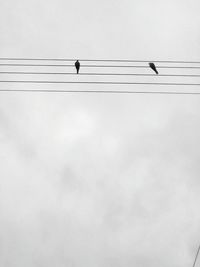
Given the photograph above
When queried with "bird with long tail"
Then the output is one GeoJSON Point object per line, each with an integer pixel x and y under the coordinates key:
{"type": "Point", "coordinates": [153, 67]}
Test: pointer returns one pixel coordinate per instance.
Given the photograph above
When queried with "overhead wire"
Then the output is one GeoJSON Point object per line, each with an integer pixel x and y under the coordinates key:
{"type": "Point", "coordinates": [98, 82]}
{"type": "Point", "coordinates": [95, 60]}
{"type": "Point", "coordinates": [196, 256]}
{"type": "Point", "coordinates": [95, 66]}
{"type": "Point", "coordinates": [96, 74]}
{"type": "Point", "coordinates": [99, 91]}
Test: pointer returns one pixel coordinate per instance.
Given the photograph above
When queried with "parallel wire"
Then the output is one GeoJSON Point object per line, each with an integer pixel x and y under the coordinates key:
{"type": "Point", "coordinates": [95, 66]}
{"type": "Point", "coordinates": [97, 74]}
{"type": "Point", "coordinates": [100, 91]}
{"type": "Point", "coordinates": [96, 82]}
{"type": "Point", "coordinates": [96, 60]}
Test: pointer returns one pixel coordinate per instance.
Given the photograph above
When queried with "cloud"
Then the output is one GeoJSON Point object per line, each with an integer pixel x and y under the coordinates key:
{"type": "Point", "coordinates": [111, 190]}
{"type": "Point", "coordinates": [99, 180]}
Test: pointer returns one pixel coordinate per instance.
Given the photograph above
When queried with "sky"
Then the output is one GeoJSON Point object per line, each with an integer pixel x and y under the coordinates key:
{"type": "Point", "coordinates": [91, 179]}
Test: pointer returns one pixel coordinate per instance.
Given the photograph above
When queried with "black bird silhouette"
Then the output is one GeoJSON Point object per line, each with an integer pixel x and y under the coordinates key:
{"type": "Point", "coordinates": [77, 65]}
{"type": "Point", "coordinates": [153, 67]}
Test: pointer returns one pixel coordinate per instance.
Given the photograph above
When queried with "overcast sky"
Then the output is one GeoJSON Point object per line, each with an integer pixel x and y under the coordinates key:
{"type": "Point", "coordinates": [99, 180]}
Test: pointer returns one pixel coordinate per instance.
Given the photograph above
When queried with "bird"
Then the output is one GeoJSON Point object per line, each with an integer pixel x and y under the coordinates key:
{"type": "Point", "coordinates": [153, 67]}
{"type": "Point", "coordinates": [77, 65]}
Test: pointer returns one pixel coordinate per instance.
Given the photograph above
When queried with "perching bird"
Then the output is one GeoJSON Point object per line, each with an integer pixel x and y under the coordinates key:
{"type": "Point", "coordinates": [77, 65]}
{"type": "Point", "coordinates": [153, 67]}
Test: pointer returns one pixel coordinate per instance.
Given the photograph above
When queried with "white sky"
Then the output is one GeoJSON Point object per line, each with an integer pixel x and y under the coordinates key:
{"type": "Point", "coordinates": [99, 180]}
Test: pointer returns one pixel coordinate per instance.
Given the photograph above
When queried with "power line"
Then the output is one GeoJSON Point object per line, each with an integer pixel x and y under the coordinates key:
{"type": "Point", "coordinates": [97, 74]}
{"type": "Point", "coordinates": [96, 82]}
{"type": "Point", "coordinates": [196, 256]}
{"type": "Point", "coordinates": [35, 65]}
{"type": "Point", "coordinates": [95, 60]}
{"type": "Point", "coordinates": [95, 66]}
{"type": "Point", "coordinates": [100, 91]}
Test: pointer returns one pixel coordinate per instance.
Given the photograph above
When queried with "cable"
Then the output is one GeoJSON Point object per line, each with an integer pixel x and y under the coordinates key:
{"type": "Point", "coordinates": [96, 60]}
{"type": "Point", "coordinates": [108, 83]}
{"type": "Point", "coordinates": [98, 74]}
{"type": "Point", "coordinates": [35, 65]}
{"type": "Point", "coordinates": [100, 91]}
{"type": "Point", "coordinates": [196, 257]}
{"type": "Point", "coordinates": [95, 66]}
